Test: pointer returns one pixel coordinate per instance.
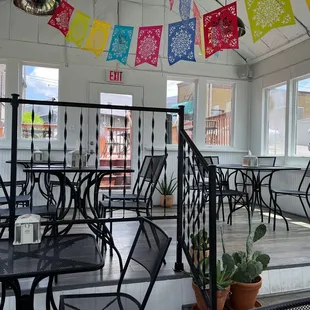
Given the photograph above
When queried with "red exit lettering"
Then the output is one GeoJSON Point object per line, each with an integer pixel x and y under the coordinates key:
{"type": "Point", "coordinates": [116, 76]}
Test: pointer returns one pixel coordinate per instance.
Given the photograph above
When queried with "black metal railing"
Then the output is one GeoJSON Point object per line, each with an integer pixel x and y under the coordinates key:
{"type": "Point", "coordinates": [122, 143]}
{"type": "Point", "coordinates": [198, 237]}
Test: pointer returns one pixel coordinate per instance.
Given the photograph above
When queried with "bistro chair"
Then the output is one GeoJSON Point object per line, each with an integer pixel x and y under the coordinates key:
{"type": "Point", "coordinates": [212, 160]}
{"type": "Point", "coordinates": [302, 193]}
{"type": "Point", "coordinates": [145, 180]}
{"type": "Point", "coordinates": [148, 250]}
{"type": "Point", "coordinates": [299, 304]}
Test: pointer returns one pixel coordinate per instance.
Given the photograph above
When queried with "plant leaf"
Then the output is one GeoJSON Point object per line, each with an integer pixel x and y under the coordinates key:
{"type": "Point", "coordinates": [260, 232]}
{"type": "Point", "coordinates": [264, 259]}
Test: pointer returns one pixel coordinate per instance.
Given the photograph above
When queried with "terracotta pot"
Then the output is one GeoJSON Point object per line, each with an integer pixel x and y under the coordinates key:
{"type": "Point", "coordinates": [169, 201]}
{"type": "Point", "coordinates": [243, 295]}
{"type": "Point", "coordinates": [195, 254]}
{"type": "Point", "coordinates": [221, 297]}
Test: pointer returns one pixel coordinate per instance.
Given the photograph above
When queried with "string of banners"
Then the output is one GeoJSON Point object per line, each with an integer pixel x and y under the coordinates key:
{"type": "Point", "coordinates": [213, 32]}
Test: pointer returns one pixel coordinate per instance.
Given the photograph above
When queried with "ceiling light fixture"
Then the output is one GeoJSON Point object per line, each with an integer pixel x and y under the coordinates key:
{"type": "Point", "coordinates": [37, 7]}
{"type": "Point", "coordinates": [241, 28]}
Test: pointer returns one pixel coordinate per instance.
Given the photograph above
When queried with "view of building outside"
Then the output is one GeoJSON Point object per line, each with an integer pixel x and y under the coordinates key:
{"type": "Point", "coordinates": [276, 118]}
{"type": "Point", "coordinates": [2, 95]}
{"type": "Point", "coordinates": [180, 93]}
{"type": "Point", "coordinates": [40, 83]}
{"type": "Point", "coordinates": [302, 139]}
{"type": "Point", "coordinates": [218, 114]}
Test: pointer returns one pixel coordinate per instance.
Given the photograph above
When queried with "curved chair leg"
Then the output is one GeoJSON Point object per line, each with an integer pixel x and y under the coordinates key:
{"type": "Point", "coordinates": [275, 211]}
{"type": "Point", "coordinates": [303, 205]}
{"type": "Point", "coordinates": [269, 213]}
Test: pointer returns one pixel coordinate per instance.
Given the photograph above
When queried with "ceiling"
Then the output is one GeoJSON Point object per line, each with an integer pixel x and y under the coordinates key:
{"type": "Point", "coordinates": [19, 26]}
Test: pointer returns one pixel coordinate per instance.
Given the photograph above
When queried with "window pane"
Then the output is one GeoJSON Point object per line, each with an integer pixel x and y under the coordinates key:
{"type": "Point", "coordinates": [218, 114]}
{"type": "Point", "coordinates": [303, 118]}
{"type": "Point", "coordinates": [276, 110]}
{"type": "Point", "coordinates": [180, 93]}
{"type": "Point", "coordinates": [2, 104]}
{"type": "Point", "coordinates": [40, 83]}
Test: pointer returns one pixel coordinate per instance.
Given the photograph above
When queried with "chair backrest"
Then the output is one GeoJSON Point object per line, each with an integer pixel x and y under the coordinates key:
{"type": "Point", "coordinates": [5, 192]}
{"type": "Point", "coordinates": [305, 175]}
{"type": "Point", "coordinates": [149, 249]}
{"type": "Point", "coordinates": [268, 161]}
{"type": "Point", "coordinates": [149, 174]}
{"type": "Point", "coordinates": [212, 160]}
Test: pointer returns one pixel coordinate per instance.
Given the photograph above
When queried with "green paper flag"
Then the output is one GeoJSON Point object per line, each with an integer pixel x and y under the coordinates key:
{"type": "Point", "coordinates": [265, 15]}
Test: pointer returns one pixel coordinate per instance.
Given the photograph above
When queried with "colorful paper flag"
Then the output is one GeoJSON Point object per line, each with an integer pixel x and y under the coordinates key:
{"type": "Point", "coordinates": [197, 16]}
{"type": "Point", "coordinates": [61, 17]}
{"type": "Point", "coordinates": [148, 44]}
{"type": "Point", "coordinates": [171, 4]}
{"type": "Point", "coordinates": [98, 37]}
{"type": "Point", "coordinates": [120, 43]}
{"type": "Point", "coordinates": [221, 29]}
{"type": "Point", "coordinates": [308, 3]}
{"type": "Point", "coordinates": [78, 28]}
{"type": "Point", "coordinates": [181, 41]}
{"type": "Point", "coordinates": [185, 9]}
{"type": "Point", "coordinates": [265, 15]}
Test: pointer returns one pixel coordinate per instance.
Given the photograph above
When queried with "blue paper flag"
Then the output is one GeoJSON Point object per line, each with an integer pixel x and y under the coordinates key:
{"type": "Point", "coordinates": [120, 43]}
{"type": "Point", "coordinates": [181, 41]}
{"type": "Point", "coordinates": [185, 9]}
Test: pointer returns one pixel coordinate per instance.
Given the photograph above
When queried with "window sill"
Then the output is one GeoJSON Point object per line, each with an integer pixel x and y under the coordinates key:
{"type": "Point", "coordinates": [215, 149]}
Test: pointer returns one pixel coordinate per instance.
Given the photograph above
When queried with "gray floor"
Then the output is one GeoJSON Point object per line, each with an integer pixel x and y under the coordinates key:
{"type": "Point", "coordinates": [285, 248]}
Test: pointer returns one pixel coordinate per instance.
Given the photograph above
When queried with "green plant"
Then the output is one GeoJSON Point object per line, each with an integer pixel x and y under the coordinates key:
{"type": "Point", "coordinates": [167, 187]}
{"type": "Point", "coordinates": [250, 264]}
{"type": "Point", "coordinates": [200, 240]}
{"type": "Point", "coordinates": [224, 272]}
{"type": "Point", "coordinates": [27, 118]}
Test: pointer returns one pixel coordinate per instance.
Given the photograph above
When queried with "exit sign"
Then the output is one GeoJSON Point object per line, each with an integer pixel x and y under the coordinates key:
{"type": "Point", "coordinates": [115, 76]}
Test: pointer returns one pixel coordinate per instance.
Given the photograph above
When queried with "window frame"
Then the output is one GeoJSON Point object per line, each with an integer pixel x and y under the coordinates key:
{"type": "Point", "coordinates": [189, 80]}
{"type": "Point", "coordinates": [233, 109]}
{"type": "Point", "coordinates": [6, 110]}
{"type": "Point", "coordinates": [292, 121]}
{"type": "Point", "coordinates": [266, 119]}
{"type": "Point", "coordinates": [40, 143]}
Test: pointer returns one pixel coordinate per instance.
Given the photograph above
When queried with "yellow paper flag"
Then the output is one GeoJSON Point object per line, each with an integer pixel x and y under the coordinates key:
{"type": "Point", "coordinates": [202, 40]}
{"type": "Point", "coordinates": [78, 28]}
{"type": "Point", "coordinates": [308, 2]}
{"type": "Point", "coordinates": [265, 15]}
{"type": "Point", "coordinates": [98, 37]}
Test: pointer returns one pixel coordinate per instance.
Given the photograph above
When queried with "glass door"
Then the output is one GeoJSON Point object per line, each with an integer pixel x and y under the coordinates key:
{"type": "Point", "coordinates": [116, 135]}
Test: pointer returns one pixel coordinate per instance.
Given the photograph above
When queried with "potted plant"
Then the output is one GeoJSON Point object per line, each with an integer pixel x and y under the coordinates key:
{"type": "Point", "coordinates": [249, 266]}
{"type": "Point", "coordinates": [166, 189]}
{"type": "Point", "coordinates": [225, 270]}
{"type": "Point", "coordinates": [199, 246]}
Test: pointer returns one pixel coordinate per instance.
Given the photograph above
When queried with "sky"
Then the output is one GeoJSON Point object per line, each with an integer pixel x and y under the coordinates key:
{"type": "Point", "coordinates": [172, 89]}
{"type": "Point", "coordinates": [42, 83]}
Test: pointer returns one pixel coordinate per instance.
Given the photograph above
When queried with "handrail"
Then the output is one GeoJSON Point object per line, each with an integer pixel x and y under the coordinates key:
{"type": "Point", "coordinates": [211, 171]}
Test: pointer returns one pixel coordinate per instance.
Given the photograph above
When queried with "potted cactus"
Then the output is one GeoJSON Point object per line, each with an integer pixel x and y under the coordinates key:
{"type": "Point", "coordinates": [225, 270]}
{"type": "Point", "coordinates": [249, 266]}
{"type": "Point", "coordinates": [166, 189]}
{"type": "Point", "coordinates": [199, 246]}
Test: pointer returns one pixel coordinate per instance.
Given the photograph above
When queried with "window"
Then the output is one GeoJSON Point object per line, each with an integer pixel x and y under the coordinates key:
{"type": "Point", "coordinates": [218, 124]}
{"type": "Point", "coordinates": [2, 95]}
{"type": "Point", "coordinates": [275, 100]}
{"type": "Point", "coordinates": [301, 130]}
{"type": "Point", "coordinates": [180, 93]}
{"type": "Point", "coordinates": [40, 83]}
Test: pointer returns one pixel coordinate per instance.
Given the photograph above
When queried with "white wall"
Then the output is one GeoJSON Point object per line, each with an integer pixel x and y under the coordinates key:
{"type": "Point", "coordinates": [290, 64]}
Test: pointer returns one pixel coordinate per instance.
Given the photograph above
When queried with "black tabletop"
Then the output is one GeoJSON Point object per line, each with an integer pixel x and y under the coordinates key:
{"type": "Point", "coordinates": [54, 255]}
{"type": "Point", "coordinates": [257, 168]}
{"type": "Point", "coordinates": [44, 162]}
{"type": "Point", "coordinates": [63, 169]}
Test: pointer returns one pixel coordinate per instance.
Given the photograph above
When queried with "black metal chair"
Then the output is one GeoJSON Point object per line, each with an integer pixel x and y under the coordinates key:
{"type": "Point", "coordinates": [145, 177]}
{"type": "Point", "coordinates": [301, 192]}
{"type": "Point", "coordinates": [299, 304]}
{"type": "Point", "coordinates": [212, 160]}
{"type": "Point", "coordinates": [148, 250]}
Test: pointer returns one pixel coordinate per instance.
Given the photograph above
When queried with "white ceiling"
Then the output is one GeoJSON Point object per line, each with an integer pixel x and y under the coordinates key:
{"type": "Point", "coordinates": [17, 25]}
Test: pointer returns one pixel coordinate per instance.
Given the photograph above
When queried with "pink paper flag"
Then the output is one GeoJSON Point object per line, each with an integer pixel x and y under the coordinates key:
{"type": "Point", "coordinates": [148, 44]}
{"type": "Point", "coordinates": [197, 15]}
{"type": "Point", "coordinates": [171, 4]}
{"type": "Point", "coordinates": [61, 17]}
